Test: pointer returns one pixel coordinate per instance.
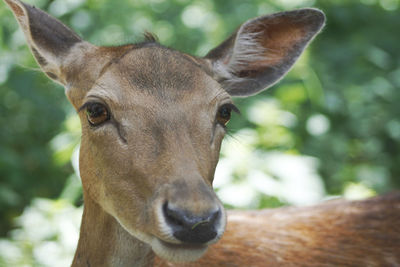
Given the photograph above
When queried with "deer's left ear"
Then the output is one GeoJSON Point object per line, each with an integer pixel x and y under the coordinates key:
{"type": "Point", "coordinates": [263, 50]}
{"type": "Point", "coordinates": [50, 41]}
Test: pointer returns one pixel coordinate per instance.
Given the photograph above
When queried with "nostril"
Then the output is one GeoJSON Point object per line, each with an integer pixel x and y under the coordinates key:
{"type": "Point", "coordinates": [215, 216]}
{"type": "Point", "coordinates": [190, 228]}
{"type": "Point", "coordinates": [173, 216]}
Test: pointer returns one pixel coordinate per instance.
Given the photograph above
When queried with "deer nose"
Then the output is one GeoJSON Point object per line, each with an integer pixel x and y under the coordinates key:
{"type": "Point", "coordinates": [190, 228]}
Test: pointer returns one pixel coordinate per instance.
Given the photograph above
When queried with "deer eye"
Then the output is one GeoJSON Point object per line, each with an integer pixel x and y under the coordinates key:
{"type": "Point", "coordinates": [224, 113]}
{"type": "Point", "coordinates": [97, 114]}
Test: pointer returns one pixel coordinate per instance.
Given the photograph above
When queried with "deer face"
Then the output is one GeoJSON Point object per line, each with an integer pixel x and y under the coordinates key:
{"type": "Point", "coordinates": [152, 125]}
{"type": "Point", "coordinates": [153, 118]}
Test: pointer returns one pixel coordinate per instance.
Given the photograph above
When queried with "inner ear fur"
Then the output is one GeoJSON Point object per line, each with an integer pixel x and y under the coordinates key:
{"type": "Point", "coordinates": [49, 40]}
{"type": "Point", "coordinates": [263, 50]}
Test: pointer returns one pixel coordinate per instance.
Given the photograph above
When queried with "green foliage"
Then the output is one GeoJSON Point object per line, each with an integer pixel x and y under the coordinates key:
{"type": "Point", "coordinates": [329, 128]}
{"type": "Point", "coordinates": [31, 114]}
{"type": "Point", "coordinates": [358, 64]}
{"type": "Point", "coordinates": [47, 235]}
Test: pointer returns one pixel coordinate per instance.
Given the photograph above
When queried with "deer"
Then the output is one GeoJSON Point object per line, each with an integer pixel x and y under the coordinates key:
{"type": "Point", "coordinates": [153, 120]}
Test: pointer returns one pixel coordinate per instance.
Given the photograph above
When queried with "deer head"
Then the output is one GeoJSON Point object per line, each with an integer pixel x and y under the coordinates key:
{"type": "Point", "coordinates": [153, 118]}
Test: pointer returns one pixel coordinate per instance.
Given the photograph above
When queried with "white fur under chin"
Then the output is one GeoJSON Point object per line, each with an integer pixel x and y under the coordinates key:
{"type": "Point", "coordinates": [177, 254]}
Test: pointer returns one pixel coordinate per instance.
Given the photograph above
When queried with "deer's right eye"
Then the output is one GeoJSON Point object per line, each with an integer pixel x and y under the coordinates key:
{"type": "Point", "coordinates": [97, 113]}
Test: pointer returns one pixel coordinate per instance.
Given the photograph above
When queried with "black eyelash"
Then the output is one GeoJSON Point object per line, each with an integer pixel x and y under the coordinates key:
{"type": "Point", "coordinates": [233, 108]}
{"type": "Point", "coordinates": [91, 102]}
{"type": "Point", "coordinates": [86, 105]}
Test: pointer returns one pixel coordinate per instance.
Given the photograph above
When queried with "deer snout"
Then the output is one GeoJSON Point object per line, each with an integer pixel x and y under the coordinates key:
{"type": "Point", "coordinates": [192, 228]}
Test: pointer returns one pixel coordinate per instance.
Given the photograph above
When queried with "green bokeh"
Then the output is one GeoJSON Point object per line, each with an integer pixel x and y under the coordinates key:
{"type": "Point", "coordinates": [347, 82]}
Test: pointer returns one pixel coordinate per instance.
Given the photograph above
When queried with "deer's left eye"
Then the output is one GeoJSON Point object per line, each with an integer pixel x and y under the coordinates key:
{"type": "Point", "coordinates": [224, 113]}
{"type": "Point", "coordinates": [97, 113]}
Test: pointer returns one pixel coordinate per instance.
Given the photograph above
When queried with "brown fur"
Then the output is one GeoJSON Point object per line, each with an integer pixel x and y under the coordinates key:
{"type": "Point", "coordinates": [335, 233]}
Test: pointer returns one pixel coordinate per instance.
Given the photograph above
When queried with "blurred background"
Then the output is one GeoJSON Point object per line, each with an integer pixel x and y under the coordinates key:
{"type": "Point", "coordinates": [329, 129]}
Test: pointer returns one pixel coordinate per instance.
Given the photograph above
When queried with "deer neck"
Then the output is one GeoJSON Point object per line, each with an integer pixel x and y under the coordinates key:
{"type": "Point", "coordinates": [103, 242]}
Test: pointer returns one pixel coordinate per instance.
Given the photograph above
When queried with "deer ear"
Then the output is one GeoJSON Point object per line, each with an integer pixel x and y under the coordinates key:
{"type": "Point", "coordinates": [49, 40]}
{"type": "Point", "coordinates": [263, 50]}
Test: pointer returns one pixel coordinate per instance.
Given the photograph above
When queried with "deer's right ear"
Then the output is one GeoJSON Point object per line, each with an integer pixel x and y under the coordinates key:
{"type": "Point", "coordinates": [50, 41]}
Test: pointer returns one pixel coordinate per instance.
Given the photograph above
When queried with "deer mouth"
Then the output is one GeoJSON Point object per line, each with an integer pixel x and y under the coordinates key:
{"type": "Point", "coordinates": [184, 252]}
{"type": "Point", "coordinates": [184, 245]}
{"type": "Point", "coordinates": [174, 252]}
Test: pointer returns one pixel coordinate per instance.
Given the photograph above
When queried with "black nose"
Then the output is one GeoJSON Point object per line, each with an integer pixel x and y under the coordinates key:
{"type": "Point", "coordinates": [190, 228]}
